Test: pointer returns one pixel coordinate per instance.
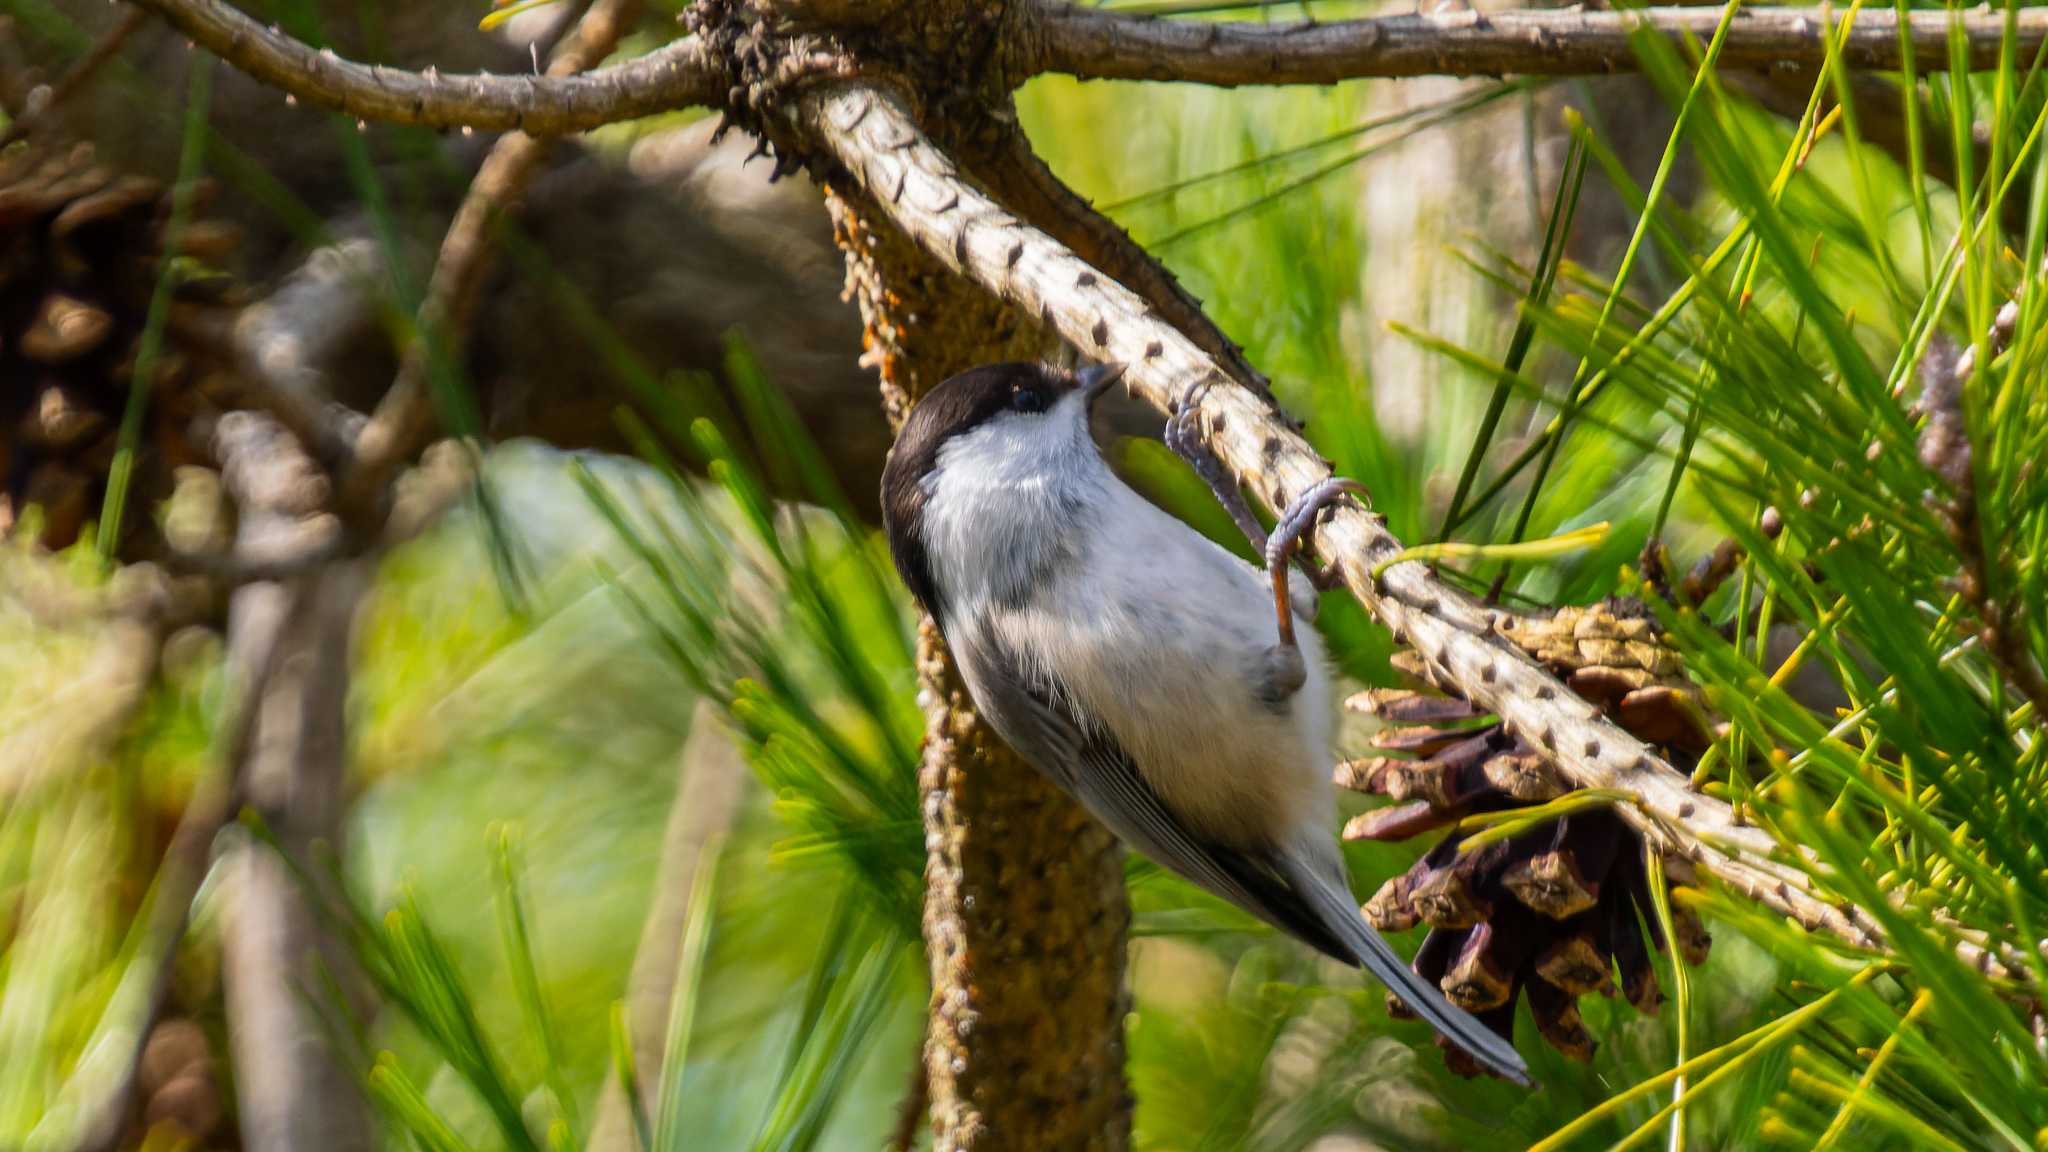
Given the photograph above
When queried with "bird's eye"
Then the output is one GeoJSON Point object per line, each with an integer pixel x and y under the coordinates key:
{"type": "Point", "coordinates": [1027, 400]}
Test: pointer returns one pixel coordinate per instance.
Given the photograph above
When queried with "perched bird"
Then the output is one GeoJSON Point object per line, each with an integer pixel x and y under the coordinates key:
{"type": "Point", "coordinates": [1135, 661]}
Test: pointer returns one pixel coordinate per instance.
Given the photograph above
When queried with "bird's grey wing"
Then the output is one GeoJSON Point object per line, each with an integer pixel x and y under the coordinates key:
{"type": "Point", "coordinates": [1089, 764]}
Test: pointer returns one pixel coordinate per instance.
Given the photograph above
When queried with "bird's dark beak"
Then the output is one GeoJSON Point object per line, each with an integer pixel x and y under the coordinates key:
{"type": "Point", "coordinates": [1095, 379]}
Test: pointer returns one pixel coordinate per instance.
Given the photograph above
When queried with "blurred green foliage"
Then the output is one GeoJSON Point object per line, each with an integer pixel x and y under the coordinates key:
{"type": "Point", "coordinates": [513, 764]}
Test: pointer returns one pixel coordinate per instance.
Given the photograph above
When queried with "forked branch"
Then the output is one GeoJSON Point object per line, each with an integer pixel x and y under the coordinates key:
{"type": "Point", "coordinates": [871, 134]}
{"type": "Point", "coordinates": [1102, 44]}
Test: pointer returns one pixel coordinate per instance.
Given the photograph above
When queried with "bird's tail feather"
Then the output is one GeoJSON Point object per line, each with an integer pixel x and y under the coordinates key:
{"type": "Point", "coordinates": [1427, 1001]}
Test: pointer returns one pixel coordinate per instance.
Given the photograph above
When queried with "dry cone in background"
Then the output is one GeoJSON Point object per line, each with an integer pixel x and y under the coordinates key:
{"type": "Point", "coordinates": [179, 1089]}
{"type": "Point", "coordinates": [1556, 912]}
{"type": "Point", "coordinates": [81, 248]}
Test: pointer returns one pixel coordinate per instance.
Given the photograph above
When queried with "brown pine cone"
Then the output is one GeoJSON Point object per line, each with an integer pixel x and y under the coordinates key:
{"type": "Point", "coordinates": [1611, 654]}
{"type": "Point", "coordinates": [1555, 912]}
{"type": "Point", "coordinates": [81, 249]}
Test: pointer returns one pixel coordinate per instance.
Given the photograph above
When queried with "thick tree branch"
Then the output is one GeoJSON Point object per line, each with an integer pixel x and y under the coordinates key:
{"type": "Point", "coordinates": [676, 75]}
{"type": "Point", "coordinates": [869, 131]}
{"type": "Point", "coordinates": [1098, 44]}
{"type": "Point", "coordinates": [831, 13]}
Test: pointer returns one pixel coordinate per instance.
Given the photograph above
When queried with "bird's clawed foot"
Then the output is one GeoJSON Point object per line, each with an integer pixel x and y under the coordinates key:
{"type": "Point", "coordinates": [1184, 436]}
{"type": "Point", "coordinates": [1285, 542]}
{"type": "Point", "coordinates": [1285, 672]}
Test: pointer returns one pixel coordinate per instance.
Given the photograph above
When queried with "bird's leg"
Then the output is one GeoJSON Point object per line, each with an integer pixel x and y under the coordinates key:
{"type": "Point", "coordinates": [1284, 672]}
{"type": "Point", "coordinates": [1184, 436]}
{"type": "Point", "coordinates": [1285, 543]}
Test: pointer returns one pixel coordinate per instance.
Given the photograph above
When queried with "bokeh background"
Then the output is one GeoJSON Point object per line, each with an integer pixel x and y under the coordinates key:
{"type": "Point", "coordinates": [632, 746]}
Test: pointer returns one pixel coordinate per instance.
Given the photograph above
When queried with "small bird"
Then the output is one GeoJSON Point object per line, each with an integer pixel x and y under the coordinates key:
{"type": "Point", "coordinates": [1134, 661]}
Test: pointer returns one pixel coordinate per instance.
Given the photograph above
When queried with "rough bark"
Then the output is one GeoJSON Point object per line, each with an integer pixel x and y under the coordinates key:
{"type": "Point", "coordinates": [1025, 912]}
{"type": "Point", "coordinates": [1013, 171]}
{"type": "Point", "coordinates": [79, 75]}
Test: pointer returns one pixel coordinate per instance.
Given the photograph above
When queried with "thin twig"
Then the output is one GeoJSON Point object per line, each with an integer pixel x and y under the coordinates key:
{"type": "Point", "coordinates": [558, 34]}
{"type": "Point", "coordinates": [291, 1090]}
{"type": "Point", "coordinates": [184, 867]}
{"type": "Point", "coordinates": [404, 420]}
{"type": "Point", "coordinates": [676, 75]}
{"type": "Point", "coordinates": [77, 76]}
{"type": "Point", "coordinates": [871, 134]}
{"type": "Point", "coordinates": [1946, 450]}
{"type": "Point", "coordinates": [1104, 44]}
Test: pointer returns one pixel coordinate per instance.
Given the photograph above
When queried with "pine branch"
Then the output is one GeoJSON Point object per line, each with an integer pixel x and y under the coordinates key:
{"type": "Point", "coordinates": [1101, 44]}
{"type": "Point", "coordinates": [872, 135]}
{"type": "Point", "coordinates": [1946, 449]}
{"type": "Point", "coordinates": [677, 75]}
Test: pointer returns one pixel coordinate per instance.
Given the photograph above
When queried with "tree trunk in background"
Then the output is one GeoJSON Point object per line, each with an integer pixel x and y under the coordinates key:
{"type": "Point", "coordinates": [1492, 175]}
{"type": "Point", "coordinates": [712, 778]}
{"type": "Point", "coordinates": [1025, 913]}
{"type": "Point", "coordinates": [293, 1093]}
